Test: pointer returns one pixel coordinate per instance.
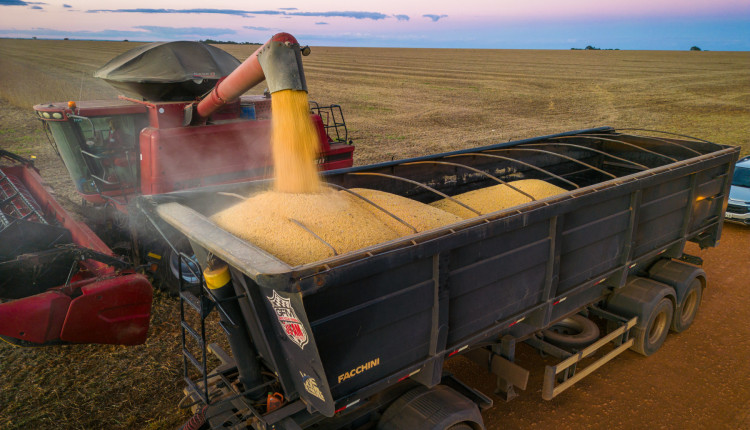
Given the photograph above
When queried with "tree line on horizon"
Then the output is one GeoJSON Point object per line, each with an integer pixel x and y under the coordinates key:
{"type": "Point", "coordinates": [228, 42]}
{"type": "Point", "coordinates": [593, 48]}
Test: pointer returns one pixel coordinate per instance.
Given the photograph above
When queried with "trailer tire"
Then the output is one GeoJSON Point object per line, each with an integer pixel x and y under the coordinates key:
{"type": "Point", "coordinates": [687, 310]}
{"type": "Point", "coordinates": [574, 332]}
{"type": "Point", "coordinates": [652, 302]}
{"type": "Point", "coordinates": [461, 426]}
{"type": "Point", "coordinates": [688, 282]}
{"type": "Point", "coordinates": [650, 337]}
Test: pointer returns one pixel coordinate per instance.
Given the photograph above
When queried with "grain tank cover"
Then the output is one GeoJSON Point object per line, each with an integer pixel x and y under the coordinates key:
{"type": "Point", "coordinates": [168, 71]}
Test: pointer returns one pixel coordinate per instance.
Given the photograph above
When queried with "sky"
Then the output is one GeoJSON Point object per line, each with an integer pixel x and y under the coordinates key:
{"type": "Point", "coordinates": [717, 25]}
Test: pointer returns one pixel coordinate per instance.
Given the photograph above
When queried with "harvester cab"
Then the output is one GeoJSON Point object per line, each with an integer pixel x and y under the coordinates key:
{"type": "Point", "coordinates": [186, 124]}
{"type": "Point", "coordinates": [98, 144]}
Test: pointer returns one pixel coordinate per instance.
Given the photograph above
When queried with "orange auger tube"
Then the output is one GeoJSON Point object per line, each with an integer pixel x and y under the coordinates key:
{"type": "Point", "coordinates": [250, 73]}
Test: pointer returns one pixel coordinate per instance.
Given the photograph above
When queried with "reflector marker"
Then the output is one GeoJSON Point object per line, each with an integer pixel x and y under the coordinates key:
{"type": "Point", "coordinates": [600, 281]}
{"type": "Point", "coordinates": [559, 301]}
{"type": "Point", "coordinates": [632, 265]}
{"type": "Point", "coordinates": [458, 350]}
{"type": "Point", "coordinates": [346, 406]}
{"type": "Point", "coordinates": [516, 322]}
{"type": "Point", "coordinates": [408, 375]}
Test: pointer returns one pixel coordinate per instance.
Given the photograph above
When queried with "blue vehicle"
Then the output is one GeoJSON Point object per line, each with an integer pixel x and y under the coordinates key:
{"type": "Point", "coordinates": [739, 194]}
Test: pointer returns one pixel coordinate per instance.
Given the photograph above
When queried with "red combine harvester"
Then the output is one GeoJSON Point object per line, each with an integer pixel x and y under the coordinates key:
{"type": "Point", "coordinates": [167, 141]}
{"type": "Point", "coordinates": [59, 283]}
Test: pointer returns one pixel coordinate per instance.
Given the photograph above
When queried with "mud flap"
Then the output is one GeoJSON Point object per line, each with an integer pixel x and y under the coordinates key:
{"type": "Point", "coordinates": [424, 408]}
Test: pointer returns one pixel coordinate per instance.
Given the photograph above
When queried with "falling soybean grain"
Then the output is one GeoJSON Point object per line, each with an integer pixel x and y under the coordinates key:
{"type": "Point", "coordinates": [294, 142]}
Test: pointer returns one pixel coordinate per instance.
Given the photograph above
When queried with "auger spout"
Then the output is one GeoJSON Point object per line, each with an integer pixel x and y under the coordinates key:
{"type": "Point", "coordinates": [278, 61]}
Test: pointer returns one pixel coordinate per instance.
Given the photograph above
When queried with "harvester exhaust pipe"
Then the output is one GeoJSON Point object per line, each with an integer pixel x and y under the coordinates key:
{"type": "Point", "coordinates": [279, 62]}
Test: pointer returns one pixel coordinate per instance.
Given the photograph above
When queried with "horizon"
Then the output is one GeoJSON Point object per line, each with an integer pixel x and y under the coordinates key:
{"type": "Point", "coordinates": [719, 25]}
{"type": "Point", "coordinates": [250, 43]}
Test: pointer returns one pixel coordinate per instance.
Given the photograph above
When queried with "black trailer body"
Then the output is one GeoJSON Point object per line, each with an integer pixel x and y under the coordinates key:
{"type": "Point", "coordinates": [340, 331]}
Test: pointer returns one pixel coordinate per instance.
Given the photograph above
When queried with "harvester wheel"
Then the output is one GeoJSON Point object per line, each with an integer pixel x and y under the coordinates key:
{"type": "Point", "coordinates": [167, 276]}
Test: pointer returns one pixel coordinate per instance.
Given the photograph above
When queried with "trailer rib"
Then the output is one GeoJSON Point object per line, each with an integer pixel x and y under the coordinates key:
{"type": "Point", "coordinates": [389, 213]}
{"type": "Point", "coordinates": [552, 175]}
{"type": "Point", "coordinates": [632, 145]}
{"type": "Point", "coordinates": [586, 148]}
{"type": "Point", "coordinates": [697, 139]}
{"type": "Point", "coordinates": [427, 187]}
{"type": "Point", "coordinates": [482, 172]}
{"type": "Point", "coordinates": [304, 227]}
{"type": "Point", "coordinates": [558, 155]}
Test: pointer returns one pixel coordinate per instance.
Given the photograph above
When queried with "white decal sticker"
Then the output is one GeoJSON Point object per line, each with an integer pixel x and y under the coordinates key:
{"type": "Point", "coordinates": [311, 386]}
{"type": "Point", "coordinates": [292, 326]}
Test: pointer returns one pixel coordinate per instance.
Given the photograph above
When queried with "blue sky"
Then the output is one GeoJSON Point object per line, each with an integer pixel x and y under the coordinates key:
{"type": "Point", "coordinates": [532, 24]}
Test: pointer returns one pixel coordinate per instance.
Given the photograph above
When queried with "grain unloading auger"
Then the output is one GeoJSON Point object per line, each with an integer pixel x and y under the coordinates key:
{"type": "Point", "coordinates": [170, 139]}
{"type": "Point", "coordinates": [359, 338]}
{"type": "Point", "coordinates": [279, 62]}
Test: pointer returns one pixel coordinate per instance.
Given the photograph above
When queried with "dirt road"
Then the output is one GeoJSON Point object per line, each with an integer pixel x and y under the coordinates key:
{"type": "Point", "coordinates": [700, 379]}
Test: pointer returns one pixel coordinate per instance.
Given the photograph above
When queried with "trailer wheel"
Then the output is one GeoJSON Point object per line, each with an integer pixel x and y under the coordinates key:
{"type": "Point", "coordinates": [688, 282]}
{"type": "Point", "coordinates": [574, 332]}
{"type": "Point", "coordinates": [650, 337]}
{"type": "Point", "coordinates": [686, 311]}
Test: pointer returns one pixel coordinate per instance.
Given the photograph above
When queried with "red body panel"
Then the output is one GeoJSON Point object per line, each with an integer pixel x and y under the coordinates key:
{"type": "Point", "coordinates": [338, 156]}
{"type": "Point", "coordinates": [36, 319]}
{"type": "Point", "coordinates": [166, 115]}
{"type": "Point", "coordinates": [188, 157]}
{"type": "Point", "coordinates": [114, 311]}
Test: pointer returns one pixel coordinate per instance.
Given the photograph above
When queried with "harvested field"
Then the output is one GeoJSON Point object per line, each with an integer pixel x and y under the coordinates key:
{"type": "Point", "coordinates": [408, 102]}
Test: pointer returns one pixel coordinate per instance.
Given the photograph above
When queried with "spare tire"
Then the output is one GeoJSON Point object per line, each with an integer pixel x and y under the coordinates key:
{"type": "Point", "coordinates": [574, 332]}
